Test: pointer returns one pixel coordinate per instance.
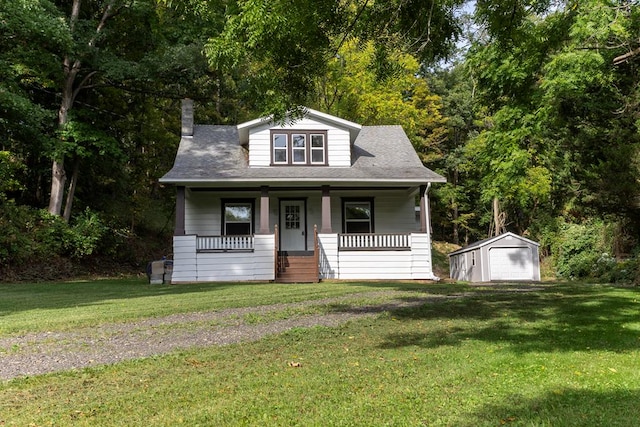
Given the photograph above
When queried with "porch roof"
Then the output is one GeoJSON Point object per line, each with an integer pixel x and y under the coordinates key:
{"type": "Point", "coordinates": [382, 155]}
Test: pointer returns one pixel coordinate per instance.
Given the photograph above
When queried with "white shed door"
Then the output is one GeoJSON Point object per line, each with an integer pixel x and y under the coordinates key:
{"type": "Point", "coordinates": [510, 264]}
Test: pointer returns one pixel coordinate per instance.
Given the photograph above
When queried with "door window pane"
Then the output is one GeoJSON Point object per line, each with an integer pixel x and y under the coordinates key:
{"type": "Point", "coordinates": [292, 217]}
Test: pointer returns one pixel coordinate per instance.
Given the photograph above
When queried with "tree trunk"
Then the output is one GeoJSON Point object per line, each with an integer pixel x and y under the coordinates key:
{"type": "Point", "coordinates": [456, 212]}
{"type": "Point", "coordinates": [72, 190]}
{"type": "Point", "coordinates": [70, 90]}
{"type": "Point", "coordinates": [58, 173]}
{"type": "Point", "coordinates": [498, 218]}
{"type": "Point", "coordinates": [58, 180]}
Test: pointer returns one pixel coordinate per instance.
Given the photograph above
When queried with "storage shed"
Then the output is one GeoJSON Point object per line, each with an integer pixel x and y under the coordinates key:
{"type": "Point", "coordinates": [502, 258]}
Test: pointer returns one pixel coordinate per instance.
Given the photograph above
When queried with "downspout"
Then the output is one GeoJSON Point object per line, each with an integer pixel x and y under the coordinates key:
{"type": "Point", "coordinates": [427, 215]}
{"type": "Point", "coordinates": [427, 210]}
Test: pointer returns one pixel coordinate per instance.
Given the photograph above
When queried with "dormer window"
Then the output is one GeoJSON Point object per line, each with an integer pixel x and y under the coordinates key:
{"type": "Point", "coordinates": [296, 147]}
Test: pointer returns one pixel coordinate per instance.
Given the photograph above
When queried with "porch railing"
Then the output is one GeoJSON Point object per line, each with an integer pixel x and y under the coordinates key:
{"type": "Point", "coordinates": [279, 258]}
{"type": "Point", "coordinates": [224, 243]}
{"type": "Point", "coordinates": [374, 241]}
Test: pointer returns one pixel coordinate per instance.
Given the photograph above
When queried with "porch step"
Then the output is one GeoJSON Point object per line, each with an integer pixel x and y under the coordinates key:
{"type": "Point", "coordinates": [298, 269]}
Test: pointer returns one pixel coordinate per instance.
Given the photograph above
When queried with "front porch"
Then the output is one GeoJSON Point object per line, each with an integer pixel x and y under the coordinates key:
{"type": "Point", "coordinates": [335, 256]}
{"type": "Point", "coordinates": [269, 234]}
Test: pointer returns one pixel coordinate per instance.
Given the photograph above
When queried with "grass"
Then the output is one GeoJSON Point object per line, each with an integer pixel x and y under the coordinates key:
{"type": "Point", "coordinates": [561, 355]}
{"type": "Point", "coordinates": [62, 306]}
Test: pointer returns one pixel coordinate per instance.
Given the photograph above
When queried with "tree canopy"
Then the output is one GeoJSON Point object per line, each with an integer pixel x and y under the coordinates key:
{"type": "Point", "coordinates": [536, 126]}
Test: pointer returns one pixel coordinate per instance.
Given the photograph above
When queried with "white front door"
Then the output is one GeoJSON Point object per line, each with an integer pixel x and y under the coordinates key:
{"type": "Point", "coordinates": [293, 230]}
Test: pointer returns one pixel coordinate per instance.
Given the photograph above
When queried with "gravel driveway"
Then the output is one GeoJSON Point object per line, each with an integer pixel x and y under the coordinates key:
{"type": "Point", "coordinates": [40, 353]}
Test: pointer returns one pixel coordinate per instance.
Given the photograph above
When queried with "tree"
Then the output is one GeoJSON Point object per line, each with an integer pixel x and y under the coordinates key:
{"type": "Point", "coordinates": [62, 60]}
{"type": "Point", "coordinates": [357, 89]}
{"type": "Point", "coordinates": [564, 131]}
{"type": "Point", "coordinates": [283, 47]}
{"type": "Point", "coordinates": [454, 210]}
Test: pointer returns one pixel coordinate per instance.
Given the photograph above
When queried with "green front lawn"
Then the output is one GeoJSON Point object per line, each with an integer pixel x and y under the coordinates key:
{"type": "Point", "coordinates": [563, 355]}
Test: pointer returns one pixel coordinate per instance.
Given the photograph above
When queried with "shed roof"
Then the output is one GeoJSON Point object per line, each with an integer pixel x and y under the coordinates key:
{"type": "Point", "coordinates": [488, 241]}
{"type": "Point", "coordinates": [381, 154]}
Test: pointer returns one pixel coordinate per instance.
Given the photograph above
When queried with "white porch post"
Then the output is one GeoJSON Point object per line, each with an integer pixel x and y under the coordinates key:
{"type": "Point", "coordinates": [264, 210]}
{"type": "Point", "coordinates": [326, 210]}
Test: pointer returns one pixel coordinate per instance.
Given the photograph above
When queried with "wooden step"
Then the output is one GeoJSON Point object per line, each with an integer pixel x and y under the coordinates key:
{"type": "Point", "coordinates": [298, 269]}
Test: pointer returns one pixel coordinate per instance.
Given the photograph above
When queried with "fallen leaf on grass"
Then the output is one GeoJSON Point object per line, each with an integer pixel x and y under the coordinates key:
{"type": "Point", "coordinates": [295, 364]}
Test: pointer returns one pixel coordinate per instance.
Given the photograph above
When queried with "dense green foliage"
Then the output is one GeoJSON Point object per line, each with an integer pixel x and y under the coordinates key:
{"type": "Point", "coordinates": [550, 135]}
{"type": "Point", "coordinates": [535, 127]}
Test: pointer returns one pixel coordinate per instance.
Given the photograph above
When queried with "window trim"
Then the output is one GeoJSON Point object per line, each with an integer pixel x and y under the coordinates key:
{"type": "Point", "coordinates": [286, 148]}
{"type": "Point", "coordinates": [370, 200]}
{"type": "Point", "coordinates": [308, 149]}
{"type": "Point", "coordinates": [223, 222]}
{"type": "Point", "coordinates": [312, 149]}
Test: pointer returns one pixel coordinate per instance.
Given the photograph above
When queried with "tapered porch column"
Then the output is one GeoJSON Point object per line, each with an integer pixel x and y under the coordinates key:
{"type": "Point", "coordinates": [326, 210]}
{"type": "Point", "coordinates": [179, 230]}
{"type": "Point", "coordinates": [264, 210]}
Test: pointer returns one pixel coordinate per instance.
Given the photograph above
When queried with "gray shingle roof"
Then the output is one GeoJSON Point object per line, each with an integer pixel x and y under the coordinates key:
{"type": "Point", "coordinates": [382, 155]}
{"type": "Point", "coordinates": [492, 239]}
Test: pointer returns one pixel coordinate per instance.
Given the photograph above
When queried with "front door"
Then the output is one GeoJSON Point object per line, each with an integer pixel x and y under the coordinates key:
{"type": "Point", "coordinates": [293, 230]}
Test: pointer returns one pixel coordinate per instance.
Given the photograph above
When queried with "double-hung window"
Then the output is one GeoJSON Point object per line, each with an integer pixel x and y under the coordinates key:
{"type": "Point", "coordinates": [280, 143]}
{"type": "Point", "coordinates": [358, 216]}
{"type": "Point", "coordinates": [237, 217]}
{"type": "Point", "coordinates": [318, 148]}
{"type": "Point", "coordinates": [298, 147]}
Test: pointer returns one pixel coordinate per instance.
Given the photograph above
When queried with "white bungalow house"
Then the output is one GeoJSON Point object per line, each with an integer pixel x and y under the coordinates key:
{"type": "Point", "coordinates": [321, 198]}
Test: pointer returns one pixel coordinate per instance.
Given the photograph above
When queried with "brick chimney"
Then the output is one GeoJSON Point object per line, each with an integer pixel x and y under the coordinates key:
{"type": "Point", "coordinates": [187, 117]}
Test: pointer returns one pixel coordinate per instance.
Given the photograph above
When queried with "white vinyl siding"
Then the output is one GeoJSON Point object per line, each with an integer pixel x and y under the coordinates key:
{"type": "Point", "coordinates": [363, 265]}
{"type": "Point", "coordinates": [190, 266]}
{"type": "Point", "coordinates": [185, 267]}
{"type": "Point", "coordinates": [203, 212]}
{"type": "Point", "coordinates": [393, 213]}
{"type": "Point", "coordinates": [337, 144]}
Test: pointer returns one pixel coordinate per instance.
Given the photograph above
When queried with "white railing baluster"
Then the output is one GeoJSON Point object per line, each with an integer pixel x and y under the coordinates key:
{"type": "Point", "coordinates": [374, 241]}
{"type": "Point", "coordinates": [224, 243]}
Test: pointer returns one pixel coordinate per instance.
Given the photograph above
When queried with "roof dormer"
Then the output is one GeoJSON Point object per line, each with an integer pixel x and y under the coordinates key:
{"type": "Point", "coordinates": [316, 139]}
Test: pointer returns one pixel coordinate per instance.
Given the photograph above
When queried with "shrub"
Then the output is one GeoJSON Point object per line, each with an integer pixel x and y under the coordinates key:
{"type": "Point", "coordinates": [15, 244]}
{"type": "Point", "coordinates": [83, 236]}
{"type": "Point", "coordinates": [582, 251]}
{"type": "Point", "coordinates": [577, 248]}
